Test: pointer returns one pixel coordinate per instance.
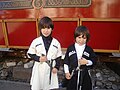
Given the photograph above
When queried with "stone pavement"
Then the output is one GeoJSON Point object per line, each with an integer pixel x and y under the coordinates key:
{"type": "Point", "coordinates": [11, 85]}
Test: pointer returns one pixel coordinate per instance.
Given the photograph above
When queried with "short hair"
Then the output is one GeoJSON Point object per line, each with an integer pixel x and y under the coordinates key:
{"type": "Point", "coordinates": [45, 22]}
{"type": "Point", "coordinates": [82, 30]}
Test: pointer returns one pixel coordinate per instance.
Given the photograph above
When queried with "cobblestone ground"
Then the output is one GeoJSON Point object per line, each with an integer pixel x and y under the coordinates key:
{"type": "Point", "coordinates": [103, 78]}
{"type": "Point", "coordinates": [11, 85]}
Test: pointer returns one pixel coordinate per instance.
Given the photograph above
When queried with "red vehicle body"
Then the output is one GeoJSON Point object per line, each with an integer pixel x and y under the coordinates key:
{"type": "Point", "coordinates": [18, 27]}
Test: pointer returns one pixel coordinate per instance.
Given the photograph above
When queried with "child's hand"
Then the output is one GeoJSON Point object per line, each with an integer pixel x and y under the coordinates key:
{"type": "Point", "coordinates": [43, 58]}
{"type": "Point", "coordinates": [83, 61]}
{"type": "Point", "coordinates": [67, 75]}
{"type": "Point", "coordinates": [54, 70]}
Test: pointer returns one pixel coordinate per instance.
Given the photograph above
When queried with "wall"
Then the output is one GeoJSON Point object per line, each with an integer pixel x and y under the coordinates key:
{"type": "Point", "coordinates": [14, 29]}
{"type": "Point", "coordinates": [97, 9]}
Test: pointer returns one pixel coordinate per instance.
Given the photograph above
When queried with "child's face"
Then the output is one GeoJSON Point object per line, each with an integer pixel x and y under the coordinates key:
{"type": "Point", "coordinates": [81, 39]}
{"type": "Point", "coordinates": [46, 31]}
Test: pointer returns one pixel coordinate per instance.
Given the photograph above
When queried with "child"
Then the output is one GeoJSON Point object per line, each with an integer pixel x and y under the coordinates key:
{"type": "Point", "coordinates": [78, 59]}
{"type": "Point", "coordinates": [46, 51]}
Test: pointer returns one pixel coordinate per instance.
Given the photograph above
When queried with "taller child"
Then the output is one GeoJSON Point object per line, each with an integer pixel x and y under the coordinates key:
{"type": "Point", "coordinates": [46, 51]}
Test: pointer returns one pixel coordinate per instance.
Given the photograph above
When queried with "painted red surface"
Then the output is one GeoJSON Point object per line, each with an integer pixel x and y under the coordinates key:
{"type": "Point", "coordinates": [21, 34]}
{"type": "Point", "coordinates": [98, 9]}
{"type": "Point", "coordinates": [104, 35]}
{"type": "Point", "coordinates": [2, 41]}
{"type": "Point", "coordinates": [63, 31]}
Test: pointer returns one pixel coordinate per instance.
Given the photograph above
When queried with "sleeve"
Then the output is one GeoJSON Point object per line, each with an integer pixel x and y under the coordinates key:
{"type": "Point", "coordinates": [31, 53]}
{"type": "Point", "coordinates": [66, 69]}
{"type": "Point", "coordinates": [34, 57]}
{"type": "Point", "coordinates": [90, 56]}
{"type": "Point", "coordinates": [59, 54]}
{"type": "Point", "coordinates": [66, 62]}
{"type": "Point", "coordinates": [32, 49]}
{"type": "Point", "coordinates": [66, 59]}
{"type": "Point", "coordinates": [89, 63]}
{"type": "Point", "coordinates": [93, 57]}
{"type": "Point", "coordinates": [57, 62]}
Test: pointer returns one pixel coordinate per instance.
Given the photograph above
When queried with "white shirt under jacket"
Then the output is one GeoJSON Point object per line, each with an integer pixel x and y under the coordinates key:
{"type": "Point", "coordinates": [41, 71]}
{"type": "Point", "coordinates": [79, 50]}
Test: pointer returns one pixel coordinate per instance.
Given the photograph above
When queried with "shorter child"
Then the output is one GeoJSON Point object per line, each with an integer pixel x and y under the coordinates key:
{"type": "Point", "coordinates": [79, 58]}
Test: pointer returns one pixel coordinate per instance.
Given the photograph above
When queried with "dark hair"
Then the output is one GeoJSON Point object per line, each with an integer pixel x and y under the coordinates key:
{"type": "Point", "coordinates": [82, 30]}
{"type": "Point", "coordinates": [45, 22]}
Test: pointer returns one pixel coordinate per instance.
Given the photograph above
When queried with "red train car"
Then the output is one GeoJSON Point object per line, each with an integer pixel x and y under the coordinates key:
{"type": "Point", "coordinates": [18, 22]}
